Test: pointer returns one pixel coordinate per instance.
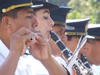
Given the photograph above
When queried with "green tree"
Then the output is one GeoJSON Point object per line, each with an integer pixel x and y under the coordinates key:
{"type": "Point", "coordinates": [85, 9]}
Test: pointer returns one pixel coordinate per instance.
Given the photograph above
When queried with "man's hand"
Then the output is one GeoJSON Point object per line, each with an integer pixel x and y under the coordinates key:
{"type": "Point", "coordinates": [41, 49]}
{"type": "Point", "coordinates": [19, 41]}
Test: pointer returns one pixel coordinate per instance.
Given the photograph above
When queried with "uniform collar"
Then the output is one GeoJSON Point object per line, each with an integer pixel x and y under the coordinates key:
{"type": "Point", "coordinates": [3, 49]}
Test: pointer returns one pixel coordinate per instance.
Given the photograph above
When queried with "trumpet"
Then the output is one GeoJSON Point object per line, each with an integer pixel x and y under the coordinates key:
{"type": "Point", "coordinates": [68, 54]}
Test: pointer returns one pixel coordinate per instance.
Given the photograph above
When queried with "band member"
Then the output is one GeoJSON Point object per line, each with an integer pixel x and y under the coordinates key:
{"type": "Point", "coordinates": [45, 21]}
{"type": "Point", "coordinates": [59, 17]}
{"type": "Point", "coordinates": [91, 48]}
{"type": "Point", "coordinates": [77, 28]}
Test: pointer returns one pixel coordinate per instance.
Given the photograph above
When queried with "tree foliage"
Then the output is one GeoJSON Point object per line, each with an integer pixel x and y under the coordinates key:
{"type": "Point", "coordinates": [85, 9]}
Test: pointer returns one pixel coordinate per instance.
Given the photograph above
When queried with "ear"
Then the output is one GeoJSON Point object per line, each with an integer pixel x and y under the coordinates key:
{"type": "Point", "coordinates": [6, 22]}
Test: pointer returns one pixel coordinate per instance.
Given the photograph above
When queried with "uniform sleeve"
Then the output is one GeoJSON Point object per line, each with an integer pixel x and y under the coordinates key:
{"type": "Point", "coordinates": [66, 70]}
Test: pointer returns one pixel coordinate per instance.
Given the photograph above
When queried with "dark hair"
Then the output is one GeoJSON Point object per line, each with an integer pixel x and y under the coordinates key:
{"type": "Point", "coordinates": [12, 13]}
{"type": "Point", "coordinates": [91, 41]}
{"type": "Point", "coordinates": [69, 37]}
{"type": "Point", "coordinates": [36, 9]}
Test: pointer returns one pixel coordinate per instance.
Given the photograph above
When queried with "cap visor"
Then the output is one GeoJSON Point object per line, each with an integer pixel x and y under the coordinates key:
{"type": "Point", "coordinates": [37, 6]}
{"type": "Point", "coordinates": [69, 27]}
{"type": "Point", "coordinates": [33, 7]}
{"type": "Point", "coordinates": [46, 5]}
{"type": "Point", "coordinates": [90, 37]}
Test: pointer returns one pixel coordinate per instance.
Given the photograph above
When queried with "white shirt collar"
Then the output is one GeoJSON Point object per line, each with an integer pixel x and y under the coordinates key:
{"type": "Point", "coordinates": [3, 49]}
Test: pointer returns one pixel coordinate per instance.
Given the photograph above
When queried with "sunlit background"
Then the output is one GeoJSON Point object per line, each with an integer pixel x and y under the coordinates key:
{"type": "Point", "coordinates": [82, 9]}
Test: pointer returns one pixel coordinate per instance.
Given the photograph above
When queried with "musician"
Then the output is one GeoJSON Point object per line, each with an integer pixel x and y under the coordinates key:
{"type": "Point", "coordinates": [45, 22]}
{"type": "Point", "coordinates": [77, 28]}
{"type": "Point", "coordinates": [59, 28]}
{"type": "Point", "coordinates": [73, 31]}
{"type": "Point", "coordinates": [59, 17]}
{"type": "Point", "coordinates": [17, 22]}
{"type": "Point", "coordinates": [92, 48]}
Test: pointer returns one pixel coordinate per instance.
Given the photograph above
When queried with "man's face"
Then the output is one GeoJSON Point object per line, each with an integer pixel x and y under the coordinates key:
{"type": "Point", "coordinates": [45, 22]}
{"type": "Point", "coordinates": [72, 44]}
{"type": "Point", "coordinates": [59, 30]}
{"type": "Point", "coordinates": [93, 53]}
{"type": "Point", "coordinates": [25, 18]}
